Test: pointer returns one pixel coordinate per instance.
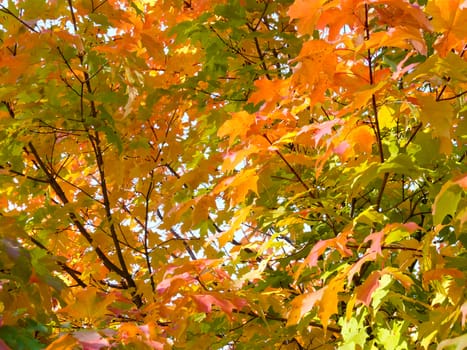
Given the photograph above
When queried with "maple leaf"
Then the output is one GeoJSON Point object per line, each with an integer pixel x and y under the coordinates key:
{"type": "Point", "coordinates": [313, 134]}
{"type": "Point", "coordinates": [315, 69]}
{"type": "Point", "coordinates": [66, 341]}
{"type": "Point", "coordinates": [358, 265]}
{"type": "Point", "coordinates": [449, 18]}
{"type": "Point", "coordinates": [439, 274]}
{"type": "Point", "coordinates": [205, 302]}
{"type": "Point", "coordinates": [438, 115]}
{"type": "Point", "coordinates": [172, 284]}
{"type": "Point", "coordinates": [89, 304]}
{"type": "Point", "coordinates": [329, 300]}
{"type": "Point", "coordinates": [303, 304]}
{"type": "Point", "coordinates": [307, 13]}
{"type": "Point", "coordinates": [236, 127]}
{"type": "Point", "coordinates": [366, 290]}
{"type": "Point", "coordinates": [165, 158]}
{"type": "Point", "coordinates": [270, 92]}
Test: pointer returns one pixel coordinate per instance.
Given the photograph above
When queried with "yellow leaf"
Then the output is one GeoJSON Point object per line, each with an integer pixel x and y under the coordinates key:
{"type": "Point", "coordinates": [386, 117]}
{"type": "Point", "coordinates": [438, 115]}
{"type": "Point", "coordinates": [240, 217]}
{"type": "Point", "coordinates": [90, 304]}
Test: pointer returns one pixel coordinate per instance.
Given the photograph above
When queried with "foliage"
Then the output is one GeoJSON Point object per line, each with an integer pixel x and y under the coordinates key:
{"type": "Point", "coordinates": [237, 174]}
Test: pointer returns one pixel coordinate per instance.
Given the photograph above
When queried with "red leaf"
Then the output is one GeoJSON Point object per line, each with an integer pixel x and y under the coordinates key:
{"type": "Point", "coordinates": [365, 291]}
{"type": "Point", "coordinates": [205, 302]}
{"type": "Point", "coordinates": [464, 313]}
{"type": "Point", "coordinates": [4, 346]}
{"type": "Point", "coordinates": [358, 265]}
{"type": "Point", "coordinates": [90, 340]}
{"type": "Point", "coordinates": [173, 283]}
{"type": "Point", "coordinates": [375, 239]}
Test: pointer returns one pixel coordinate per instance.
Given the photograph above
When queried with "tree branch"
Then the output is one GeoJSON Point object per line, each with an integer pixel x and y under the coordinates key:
{"type": "Point", "coordinates": [8, 12]}
{"type": "Point", "coordinates": [72, 272]}
{"type": "Point", "coordinates": [74, 218]}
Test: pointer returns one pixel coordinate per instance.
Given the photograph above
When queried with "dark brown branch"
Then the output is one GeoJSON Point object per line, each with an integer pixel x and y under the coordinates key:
{"type": "Point", "coordinates": [414, 133]}
{"type": "Point", "coordinates": [73, 217]}
{"type": "Point", "coordinates": [452, 97]}
{"type": "Point", "coordinates": [291, 168]}
{"type": "Point", "coordinates": [17, 173]}
{"type": "Point", "coordinates": [73, 18]}
{"type": "Point", "coordinates": [95, 8]}
{"type": "Point", "coordinates": [8, 12]}
{"type": "Point", "coordinates": [10, 109]}
{"type": "Point", "coordinates": [146, 231]}
{"type": "Point", "coordinates": [185, 244]}
{"type": "Point", "coordinates": [375, 121]}
{"type": "Point", "coordinates": [68, 65]}
{"type": "Point", "coordinates": [72, 272]}
{"type": "Point", "coordinates": [95, 143]}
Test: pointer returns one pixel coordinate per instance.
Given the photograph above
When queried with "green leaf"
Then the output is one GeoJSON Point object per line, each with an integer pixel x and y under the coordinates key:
{"type": "Point", "coordinates": [446, 202]}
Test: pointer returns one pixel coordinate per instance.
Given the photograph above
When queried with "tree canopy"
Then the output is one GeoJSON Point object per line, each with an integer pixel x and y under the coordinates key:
{"type": "Point", "coordinates": [233, 174]}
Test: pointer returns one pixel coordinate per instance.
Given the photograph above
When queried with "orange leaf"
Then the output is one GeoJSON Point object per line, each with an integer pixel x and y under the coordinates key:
{"type": "Point", "coordinates": [439, 274]}
{"type": "Point", "coordinates": [303, 304]}
{"type": "Point", "coordinates": [361, 139]}
{"type": "Point", "coordinates": [315, 69]}
{"type": "Point", "coordinates": [237, 126]}
{"type": "Point", "coordinates": [307, 12]}
{"type": "Point", "coordinates": [329, 300]}
{"type": "Point", "coordinates": [243, 183]}
{"type": "Point", "coordinates": [232, 159]}
{"type": "Point", "coordinates": [405, 280]}
{"type": "Point", "coordinates": [65, 342]}
{"type": "Point", "coordinates": [269, 91]}
{"type": "Point", "coordinates": [449, 18]}
{"type": "Point", "coordinates": [401, 13]}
